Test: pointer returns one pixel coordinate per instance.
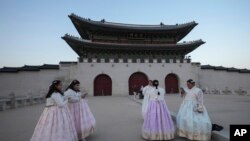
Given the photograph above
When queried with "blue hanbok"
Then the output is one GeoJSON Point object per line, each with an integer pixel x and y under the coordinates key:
{"type": "Point", "coordinates": [193, 121]}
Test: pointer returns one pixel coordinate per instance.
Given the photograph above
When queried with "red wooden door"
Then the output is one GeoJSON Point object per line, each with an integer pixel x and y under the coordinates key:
{"type": "Point", "coordinates": [171, 83]}
{"type": "Point", "coordinates": [102, 85]}
{"type": "Point", "coordinates": [136, 80]}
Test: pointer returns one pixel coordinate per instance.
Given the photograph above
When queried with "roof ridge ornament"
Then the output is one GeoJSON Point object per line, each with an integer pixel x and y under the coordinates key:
{"type": "Point", "coordinates": [103, 20]}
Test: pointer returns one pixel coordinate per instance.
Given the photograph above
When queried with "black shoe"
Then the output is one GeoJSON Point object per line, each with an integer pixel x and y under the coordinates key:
{"type": "Point", "coordinates": [216, 127]}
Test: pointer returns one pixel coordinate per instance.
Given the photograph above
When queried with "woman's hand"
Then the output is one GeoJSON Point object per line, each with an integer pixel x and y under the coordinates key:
{"type": "Point", "coordinates": [183, 92]}
{"type": "Point", "coordinates": [84, 95]}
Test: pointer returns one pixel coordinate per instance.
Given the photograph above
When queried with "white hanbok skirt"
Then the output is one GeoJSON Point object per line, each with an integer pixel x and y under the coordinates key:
{"type": "Point", "coordinates": [55, 124]}
{"type": "Point", "coordinates": [192, 124]}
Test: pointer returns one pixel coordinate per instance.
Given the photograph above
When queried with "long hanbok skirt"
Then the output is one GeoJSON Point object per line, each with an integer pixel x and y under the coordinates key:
{"type": "Point", "coordinates": [55, 124]}
{"type": "Point", "coordinates": [191, 124]}
{"type": "Point", "coordinates": [158, 124]}
{"type": "Point", "coordinates": [83, 118]}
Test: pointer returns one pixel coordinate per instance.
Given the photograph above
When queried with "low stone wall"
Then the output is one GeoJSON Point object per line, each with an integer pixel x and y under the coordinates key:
{"type": "Point", "coordinates": [12, 101]}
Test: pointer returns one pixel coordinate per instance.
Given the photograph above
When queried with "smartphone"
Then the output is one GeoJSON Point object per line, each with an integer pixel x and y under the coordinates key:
{"type": "Point", "coordinates": [183, 91]}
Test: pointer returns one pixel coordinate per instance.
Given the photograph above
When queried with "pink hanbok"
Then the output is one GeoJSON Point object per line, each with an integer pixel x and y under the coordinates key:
{"type": "Point", "coordinates": [83, 118]}
{"type": "Point", "coordinates": [55, 123]}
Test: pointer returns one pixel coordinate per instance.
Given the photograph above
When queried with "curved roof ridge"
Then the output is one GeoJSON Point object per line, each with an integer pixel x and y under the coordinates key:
{"type": "Point", "coordinates": [161, 25]}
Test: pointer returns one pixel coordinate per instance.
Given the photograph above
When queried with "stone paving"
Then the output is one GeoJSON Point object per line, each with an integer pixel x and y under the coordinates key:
{"type": "Point", "coordinates": [119, 118]}
{"type": "Point", "coordinates": [222, 109]}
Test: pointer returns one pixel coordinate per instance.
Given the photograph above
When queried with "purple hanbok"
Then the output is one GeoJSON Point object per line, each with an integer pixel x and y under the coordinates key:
{"type": "Point", "coordinates": [158, 124]}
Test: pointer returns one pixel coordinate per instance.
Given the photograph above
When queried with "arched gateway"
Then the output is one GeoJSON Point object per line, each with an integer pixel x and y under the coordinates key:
{"type": "Point", "coordinates": [136, 80]}
{"type": "Point", "coordinates": [171, 83]}
{"type": "Point", "coordinates": [102, 85]}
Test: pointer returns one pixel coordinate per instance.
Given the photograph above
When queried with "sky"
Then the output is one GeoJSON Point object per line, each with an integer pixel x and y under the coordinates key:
{"type": "Point", "coordinates": [31, 30]}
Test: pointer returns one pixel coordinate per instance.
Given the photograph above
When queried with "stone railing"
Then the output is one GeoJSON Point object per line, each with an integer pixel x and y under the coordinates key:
{"type": "Point", "coordinates": [241, 92]}
{"type": "Point", "coordinates": [12, 101]}
{"type": "Point", "coordinates": [225, 91]}
{"type": "Point", "coordinates": [4, 103]}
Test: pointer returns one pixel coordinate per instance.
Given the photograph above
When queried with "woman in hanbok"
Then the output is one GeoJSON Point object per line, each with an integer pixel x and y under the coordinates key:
{"type": "Point", "coordinates": [158, 124]}
{"type": "Point", "coordinates": [55, 123]}
{"type": "Point", "coordinates": [146, 98]}
{"type": "Point", "coordinates": [193, 121]}
{"type": "Point", "coordinates": [80, 111]}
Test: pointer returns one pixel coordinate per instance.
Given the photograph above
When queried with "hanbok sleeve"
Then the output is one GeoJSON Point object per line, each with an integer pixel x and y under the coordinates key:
{"type": "Point", "coordinates": [74, 98]}
{"type": "Point", "coordinates": [66, 95]}
{"type": "Point", "coordinates": [162, 93]}
{"type": "Point", "coordinates": [199, 98]}
{"type": "Point", "coordinates": [71, 96]}
{"type": "Point", "coordinates": [60, 102]}
{"type": "Point", "coordinates": [183, 92]}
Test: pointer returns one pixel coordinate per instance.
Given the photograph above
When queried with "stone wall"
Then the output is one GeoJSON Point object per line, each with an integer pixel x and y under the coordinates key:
{"type": "Point", "coordinates": [221, 80]}
{"type": "Point", "coordinates": [27, 82]}
{"type": "Point", "coordinates": [37, 82]}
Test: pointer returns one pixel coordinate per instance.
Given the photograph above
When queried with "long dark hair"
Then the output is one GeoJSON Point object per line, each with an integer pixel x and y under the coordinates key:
{"type": "Point", "coordinates": [72, 84]}
{"type": "Point", "coordinates": [52, 88]}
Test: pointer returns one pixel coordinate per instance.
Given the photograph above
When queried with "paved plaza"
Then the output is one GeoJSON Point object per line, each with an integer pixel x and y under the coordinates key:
{"type": "Point", "coordinates": [222, 109]}
{"type": "Point", "coordinates": [119, 118]}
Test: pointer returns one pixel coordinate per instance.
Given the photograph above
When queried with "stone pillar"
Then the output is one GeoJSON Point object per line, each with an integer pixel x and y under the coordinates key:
{"type": "Point", "coordinates": [12, 100]}
{"type": "Point", "coordinates": [30, 99]}
{"type": "Point", "coordinates": [2, 105]}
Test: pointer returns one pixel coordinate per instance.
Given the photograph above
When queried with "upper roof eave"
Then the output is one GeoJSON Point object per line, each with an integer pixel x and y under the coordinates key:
{"type": "Point", "coordinates": [129, 27]}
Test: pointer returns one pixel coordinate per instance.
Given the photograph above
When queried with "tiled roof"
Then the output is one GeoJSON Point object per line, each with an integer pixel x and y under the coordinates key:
{"type": "Point", "coordinates": [77, 44]}
{"type": "Point", "coordinates": [28, 68]}
{"type": "Point", "coordinates": [225, 69]}
{"type": "Point", "coordinates": [106, 24]}
{"type": "Point", "coordinates": [49, 66]}
{"type": "Point", "coordinates": [68, 62]}
{"type": "Point", "coordinates": [10, 69]}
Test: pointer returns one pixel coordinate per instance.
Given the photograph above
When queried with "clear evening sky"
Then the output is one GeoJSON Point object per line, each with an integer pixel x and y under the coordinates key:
{"type": "Point", "coordinates": [31, 30]}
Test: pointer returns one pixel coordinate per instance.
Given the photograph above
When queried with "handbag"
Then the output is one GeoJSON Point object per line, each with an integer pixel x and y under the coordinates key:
{"type": "Point", "coordinates": [198, 108]}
